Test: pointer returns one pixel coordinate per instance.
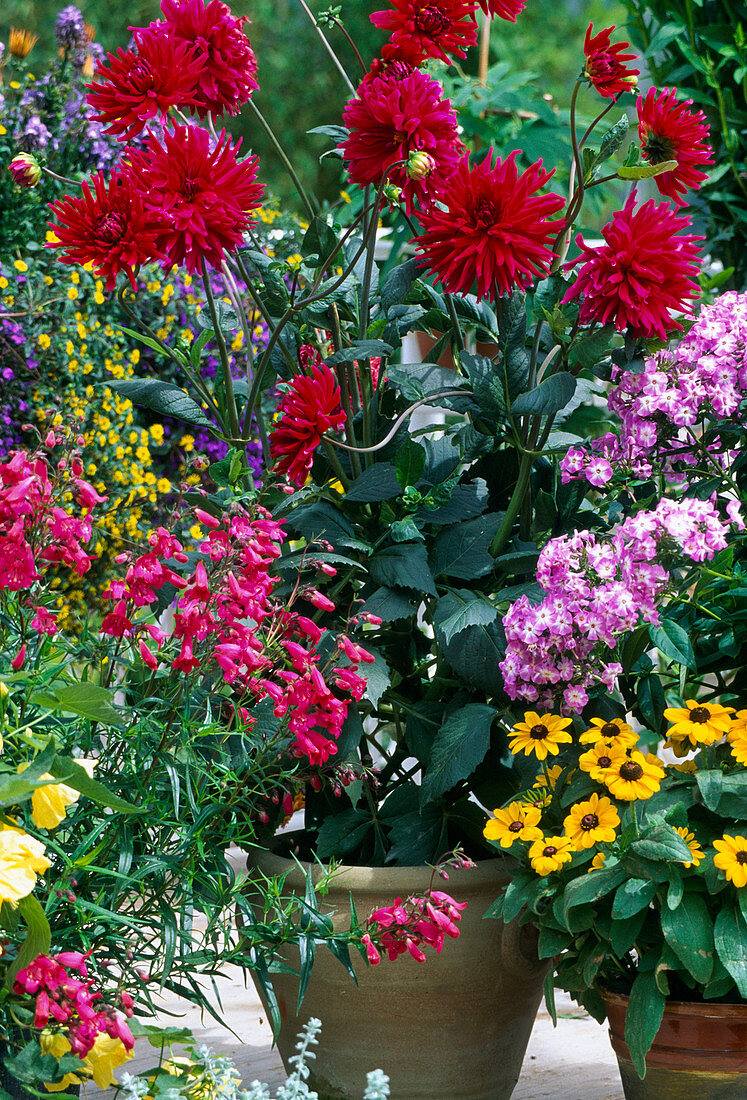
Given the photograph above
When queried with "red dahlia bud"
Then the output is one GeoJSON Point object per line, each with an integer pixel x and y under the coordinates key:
{"type": "Point", "coordinates": [25, 170]}
{"type": "Point", "coordinates": [420, 165]}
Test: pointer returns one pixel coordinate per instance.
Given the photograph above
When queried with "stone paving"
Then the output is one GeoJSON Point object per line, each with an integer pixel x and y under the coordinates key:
{"type": "Point", "coordinates": [571, 1062]}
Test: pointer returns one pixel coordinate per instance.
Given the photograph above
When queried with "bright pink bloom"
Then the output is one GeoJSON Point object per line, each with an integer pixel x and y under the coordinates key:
{"type": "Point", "coordinates": [117, 623]}
{"type": "Point", "coordinates": [200, 197]}
{"type": "Point", "coordinates": [496, 231]}
{"type": "Point", "coordinates": [25, 170]}
{"type": "Point", "coordinates": [109, 227]}
{"type": "Point", "coordinates": [229, 73]}
{"type": "Point", "coordinates": [420, 29]}
{"type": "Point", "coordinates": [642, 275]}
{"type": "Point", "coordinates": [44, 622]}
{"type": "Point", "coordinates": [393, 119]}
{"type": "Point", "coordinates": [19, 659]}
{"type": "Point", "coordinates": [136, 87]}
{"type": "Point", "coordinates": [606, 65]}
{"type": "Point", "coordinates": [504, 9]}
{"type": "Point", "coordinates": [309, 408]}
{"type": "Point", "coordinates": [669, 131]}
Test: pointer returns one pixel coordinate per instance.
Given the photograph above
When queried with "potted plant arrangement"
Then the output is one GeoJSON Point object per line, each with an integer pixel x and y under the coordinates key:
{"type": "Point", "coordinates": [432, 540]}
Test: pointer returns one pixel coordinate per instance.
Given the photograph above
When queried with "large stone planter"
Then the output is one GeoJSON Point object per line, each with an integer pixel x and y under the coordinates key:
{"type": "Point", "coordinates": [699, 1053]}
{"type": "Point", "coordinates": [453, 1028]}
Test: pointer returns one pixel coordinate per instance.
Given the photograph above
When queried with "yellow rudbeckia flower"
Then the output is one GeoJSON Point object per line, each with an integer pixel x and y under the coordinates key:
{"type": "Point", "coordinates": [693, 845]}
{"type": "Point", "coordinates": [697, 724]}
{"type": "Point", "coordinates": [549, 853]}
{"type": "Point", "coordinates": [732, 858]}
{"type": "Point", "coordinates": [635, 776]}
{"type": "Point", "coordinates": [540, 735]}
{"type": "Point", "coordinates": [518, 821]}
{"type": "Point", "coordinates": [591, 822]}
{"type": "Point", "coordinates": [613, 730]}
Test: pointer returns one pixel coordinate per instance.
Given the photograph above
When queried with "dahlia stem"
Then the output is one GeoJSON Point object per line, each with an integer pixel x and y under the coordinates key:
{"type": "Point", "coordinates": [429, 400]}
{"type": "Point", "coordinates": [482, 65]}
{"type": "Point", "coordinates": [256, 298]}
{"type": "Point", "coordinates": [233, 413]}
{"type": "Point", "coordinates": [455, 322]}
{"type": "Point", "coordinates": [233, 292]}
{"type": "Point", "coordinates": [338, 64]}
{"type": "Point", "coordinates": [514, 506]}
{"type": "Point", "coordinates": [338, 23]}
{"type": "Point", "coordinates": [310, 209]}
{"type": "Point", "coordinates": [62, 179]}
{"type": "Point", "coordinates": [334, 462]}
{"type": "Point", "coordinates": [575, 198]}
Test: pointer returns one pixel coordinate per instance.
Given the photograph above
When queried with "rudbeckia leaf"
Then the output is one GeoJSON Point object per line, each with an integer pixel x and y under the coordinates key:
{"type": "Point", "coordinates": [688, 930]}
{"type": "Point", "coordinates": [730, 935]}
{"type": "Point", "coordinates": [643, 1018]}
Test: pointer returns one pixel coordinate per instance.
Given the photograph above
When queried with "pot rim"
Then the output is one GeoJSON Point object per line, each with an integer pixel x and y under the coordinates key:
{"type": "Point", "coordinates": [372, 879]}
{"type": "Point", "coordinates": [707, 1009]}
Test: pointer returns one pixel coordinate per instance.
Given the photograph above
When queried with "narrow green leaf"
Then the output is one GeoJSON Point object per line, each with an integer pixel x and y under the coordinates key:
{"type": "Point", "coordinates": [37, 941]}
{"type": "Point", "coordinates": [643, 1018]}
{"type": "Point", "coordinates": [68, 769]}
{"type": "Point", "coordinates": [645, 171]}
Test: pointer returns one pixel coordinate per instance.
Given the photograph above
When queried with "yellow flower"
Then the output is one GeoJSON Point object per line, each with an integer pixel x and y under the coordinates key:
{"type": "Point", "coordinates": [612, 730]}
{"type": "Point", "coordinates": [549, 853]}
{"type": "Point", "coordinates": [635, 776]}
{"type": "Point", "coordinates": [540, 735]}
{"type": "Point", "coordinates": [44, 341]}
{"type": "Point", "coordinates": [697, 724]}
{"type": "Point", "coordinates": [732, 858]}
{"type": "Point", "coordinates": [598, 862]}
{"type": "Point", "coordinates": [21, 860]}
{"type": "Point", "coordinates": [72, 293]}
{"type": "Point", "coordinates": [591, 822]}
{"type": "Point", "coordinates": [737, 737]}
{"type": "Point", "coordinates": [540, 785]}
{"type": "Point", "coordinates": [693, 845]}
{"type": "Point", "coordinates": [105, 1056]}
{"type": "Point", "coordinates": [687, 767]}
{"type": "Point", "coordinates": [598, 760]}
{"type": "Point", "coordinates": [19, 265]}
{"type": "Point", "coordinates": [518, 822]}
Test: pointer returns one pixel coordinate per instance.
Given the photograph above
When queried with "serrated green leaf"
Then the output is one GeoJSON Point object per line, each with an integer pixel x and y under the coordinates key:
{"type": "Point", "coordinates": [662, 843]}
{"type": "Point", "coordinates": [403, 566]}
{"type": "Point", "coordinates": [410, 463]}
{"type": "Point", "coordinates": [164, 398]}
{"type": "Point", "coordinates": [389, 605]}
{"type": "Point", "coordinates": [378, 482]}
{"type": "Point", "coordinates": [550, 397]}
{"type": "Point", "coordinates": [461, 551]}
{"type": "Point", "coordinates": [459, 746]}
{"type": "Point", "coordinates": [38, 938]}
{"type": "Point", "coordinates": [459, 609]}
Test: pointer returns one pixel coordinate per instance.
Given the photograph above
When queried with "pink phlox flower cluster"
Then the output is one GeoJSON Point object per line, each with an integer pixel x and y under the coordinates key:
{"type": "Point", "coordinates": [226, 613]}
{"type": "Point", "coordinates": [72, 1002]}
{"type": "Point", "coordinates": [35, 529]}
{"type": "Point", "coordinates": [421, 920]}
{"type": "Point", "coordinates": [598, 589]}
{"type": "Point", "coordinates": [662, 407]}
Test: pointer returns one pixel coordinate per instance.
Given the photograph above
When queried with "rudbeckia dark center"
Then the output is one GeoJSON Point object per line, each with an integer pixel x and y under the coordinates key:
{"type": "Point", "coordinates": [699, 714]}
{"type": "Point", "coordinates": [741, 857]}
{"type": "Point", "coordinates": [110, 227]}
{"type": "Point", "coordinates": [589, 821]}
{"type": "Point", "coordinates": [604, 761]}
{"type": "Point", "coordinates": [432, 21]}
{"type": "Point", "coordinates": [550, 851]}
{"type": "Point", "coordinates": [609, 729]}
{"type": "Point", "coordinates": [631, 771]}
{"type": "Point", "coordinates": [657, 148]}
{"type": "Point", "coordinates": [515, 827]}
{"type": "Point", "coordinates": [537, 733]}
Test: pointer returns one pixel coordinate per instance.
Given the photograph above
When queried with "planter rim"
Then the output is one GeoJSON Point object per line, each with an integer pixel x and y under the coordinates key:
{"type": "Point", "coordinates": [370, 878]}
{"type": "Point", "coordinates": [707, 1009]}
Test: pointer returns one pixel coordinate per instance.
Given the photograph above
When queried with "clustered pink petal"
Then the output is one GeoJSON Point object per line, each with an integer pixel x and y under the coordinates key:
{"type": "Point", "coordinates": [394, 116]}
{"type": "Point", "coordinates": [229, 68]}
{"type": "Point", "coordinates": [108, 226]}
{"type": "Point", "coordinates": [420, 29]}
{"type": "Point", "coordinates": [72, 1002]}
{"type": "Point", "coordinates": [200, 198]}
{"type": "Point", "coordinates": [504, 9]}
{"type": "Point", "coordinates": [404, 926]}
{"type": "Point", "coordinates": [309, 408]}
{"type": "Point", "coordinates": [669, 131]}
{"type": "Point", "coordinates": [643, 275]}
{"type": "Point", "coordinates": [606, 65]}
{"type": "Point", "coordinates": [496, 231]}
{"type": "Point", "coordinates": [597, 590]}
{"type": "Point", "coordinates": [36, 530]}
{"type": "Point", "coordinates": [136, 87]}
{"type": "Point", "coordinates": [660, 407]}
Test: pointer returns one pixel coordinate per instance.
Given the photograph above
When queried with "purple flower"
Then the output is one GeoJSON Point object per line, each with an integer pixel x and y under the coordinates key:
{"type": "Point", "coordinates": [70, 29]}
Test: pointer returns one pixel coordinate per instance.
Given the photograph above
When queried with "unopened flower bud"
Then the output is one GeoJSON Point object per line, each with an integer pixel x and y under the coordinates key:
{"type": "Point", "coordinates": [25, 170]}
{"type": "Point", "coordinates": [392, 194]}
{"type": "Point", "coordinates": [420, 165]}
{"type": "Point", "coordinates": [632, 80]}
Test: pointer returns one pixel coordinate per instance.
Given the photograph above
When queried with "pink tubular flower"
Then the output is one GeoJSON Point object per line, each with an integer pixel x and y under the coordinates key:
{"type": "Point", "coordinates": [496, 231]}
{"type": "Point", "coordinates": [134, 88]}
{"type": "Point", "coordinates": [201, 198]}
{"type": "Point", "coordinates": [420, 29]}
{"type": "Point", "coordinates": [642, 275]}
{"type": "Point", "coordinates": [606, 65]}
{"type": "Point", "coordinates": [229, 72]}
{"type": "Point", "coordinates": [396, 118]}
{"type": "Point", "coordinates": [422, 919]}
{"type": "Point", "coordinates": [109, 227]}
{"type": "Point", "coordinates": [669, 131]}
{"type": "Point", "coordinates": [504, 9]}
{"type": "Point", "coordinates": [310, 408]}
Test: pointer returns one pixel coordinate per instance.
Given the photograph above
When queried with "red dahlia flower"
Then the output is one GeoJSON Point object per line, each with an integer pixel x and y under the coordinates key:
{"type": "Point", "coordinates": [668, 131]}
{"type": "Point", "coordinates": [421, 29]}
{"type": "Point", "coordinates": [202, 197]}
{"type": "Point", "coordinates": [229, 72]}
{"type": "Point", "coordinates": [135, 88]}
{"type": "Point", "coordinates": [393, 119]}
{"type": "Point", "coordinates": [109, 227]}
{"type": "Point", "coordinates": [504, 9]}
{"type": "Point", "coordinates": [496, 231]}
{"type": "Point", "coordinates": [642, 275]}
{"type": "Point", "coordinates": [310, 408]}
{"type": "Point", "coordinates": [606, 64]}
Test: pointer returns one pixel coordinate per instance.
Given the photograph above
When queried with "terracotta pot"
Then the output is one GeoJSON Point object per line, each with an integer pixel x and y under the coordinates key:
{"type": "Point", "coordinates": [699, 1053]}
{"type": "Point", "coordinates": [453, 1028]}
